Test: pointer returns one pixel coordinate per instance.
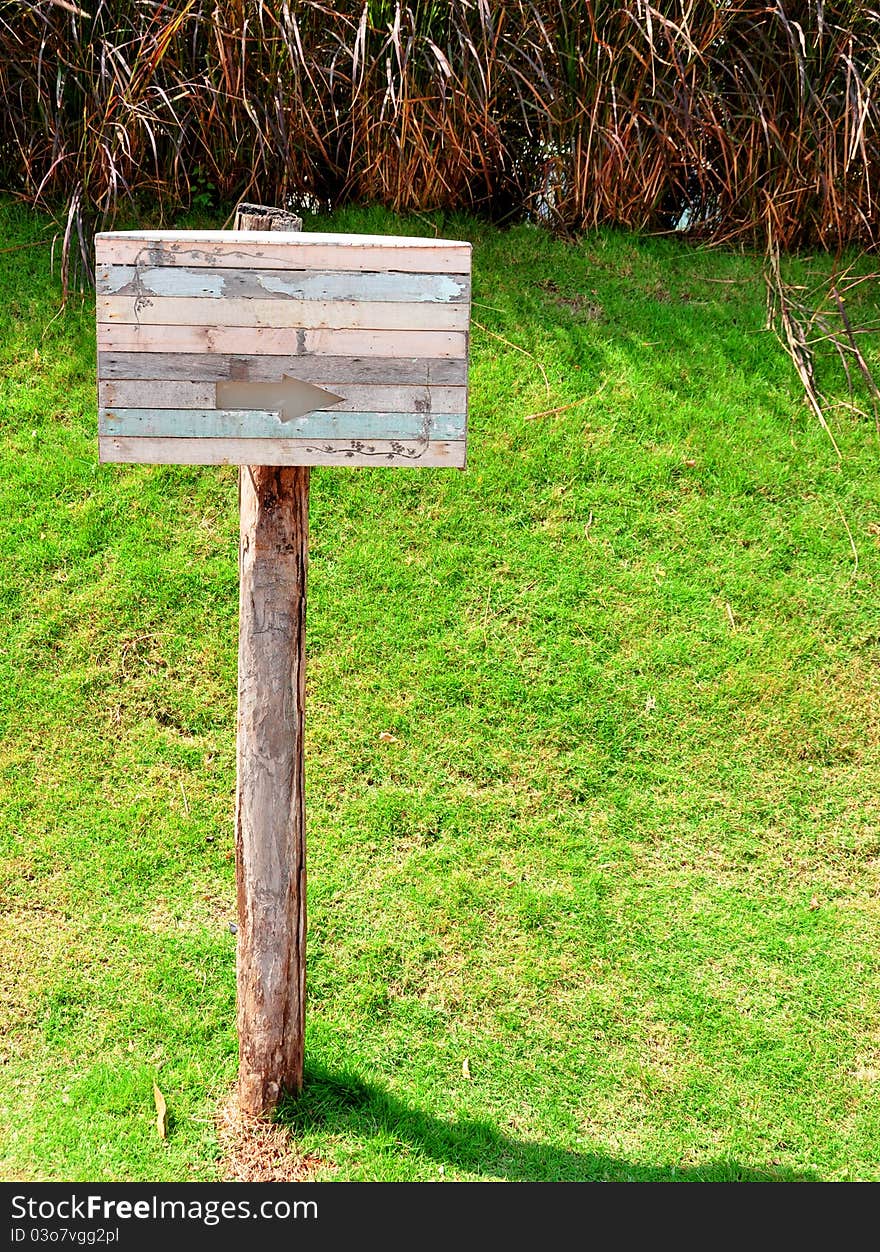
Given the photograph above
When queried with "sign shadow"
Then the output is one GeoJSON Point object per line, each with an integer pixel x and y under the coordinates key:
{"type": "Point", "coordinates": [340, 1102]}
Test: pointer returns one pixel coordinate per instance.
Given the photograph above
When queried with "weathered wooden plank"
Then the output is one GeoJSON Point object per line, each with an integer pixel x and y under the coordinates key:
{"type": "Point", "coordinates": [265, 250]}
{"type": "Point", "coordinates": [252, 340]}
{"type": "Point", "coordinates": [356, 398]}
{"type": "Point", "coordinates": [218, 284]}
{"type": "Point", "coordinates": [311, 315]}
{"type": "Point", "coordinates": [150, 451]}
{"type": "Point", "coordinates": [270, 818]}
{"type": "Point", "coordinates": [284, 239]}
{"type": "Point", "coordinates": [323, 372]}
{"type": "Point", "coordinates": [265, 217]}
{"type": "Point", "coordinates": [263, 424]}
{"type": "Point", "coordinates": [137, 393]}
{"type": "Point", "coordinates": [270, 794]}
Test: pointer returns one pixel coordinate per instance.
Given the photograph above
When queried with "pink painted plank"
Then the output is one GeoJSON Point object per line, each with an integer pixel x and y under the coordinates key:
{"type": "Point", "coordinates": [265, 249]}
{"type": "Point", "coordinates": [281, 314]}
{"type": "Point", "coordinates": [161, 451]}
{"type": "Point", "coordinates": [260, 340]}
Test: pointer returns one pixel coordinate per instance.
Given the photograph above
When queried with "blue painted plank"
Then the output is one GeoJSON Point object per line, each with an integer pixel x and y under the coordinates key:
{"type": "Point", "coordinates": [261, 424]}
{"type": "Point", "coordinates": [179, 280]}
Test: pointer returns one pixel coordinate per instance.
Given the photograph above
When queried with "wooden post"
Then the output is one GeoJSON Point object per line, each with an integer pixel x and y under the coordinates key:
{"type": "Point", "coordinates": [270, 808]}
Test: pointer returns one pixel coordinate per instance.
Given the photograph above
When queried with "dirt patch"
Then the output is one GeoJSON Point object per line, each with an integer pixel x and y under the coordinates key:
{"type": "Point", "coordinates": [256, 1150]}
{"type": "Point", "coordinates": [34, 944]}
{"type": "Point", "coordinates": [581, 306]}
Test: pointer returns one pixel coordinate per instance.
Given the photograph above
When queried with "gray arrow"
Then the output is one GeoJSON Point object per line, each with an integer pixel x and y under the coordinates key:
{"type": "Point", "coordinates": [290, 398]}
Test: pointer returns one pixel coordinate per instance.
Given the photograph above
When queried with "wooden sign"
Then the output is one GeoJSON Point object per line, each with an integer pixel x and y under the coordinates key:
{"type": "Point", "coordinates": [277, 350]}
{"type": "Point", "coordinates": [272, 348]}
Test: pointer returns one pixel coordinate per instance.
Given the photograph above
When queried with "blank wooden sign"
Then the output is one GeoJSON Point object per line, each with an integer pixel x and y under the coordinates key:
{"type": "Point", "coordinates": [265, 348]}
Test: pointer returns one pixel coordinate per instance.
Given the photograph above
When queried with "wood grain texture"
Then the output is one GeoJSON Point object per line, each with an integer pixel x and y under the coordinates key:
{"type": "Point", "coordinates": [310, 315]}
{"type": "Point", "coordinates": [263, 424]}
{"type": "Point", "coordinates": [270, 816]}
{"type": "Point", "coordinates": [356, 397]}
{"type": "Point", "coordinates": [145, 450]}
{"type": "Point", "coordinates": [209, 343]}
{"type": "Point", "coordinates": [265, 250]}
{"type": "Point", "coordinates": [270, 799]}
{"type": "Point", "coordinates": [150, 393]}
{"type": "Point", "coordinates": [232, 284]}
{"type": "Point", "coordinates": [250, 340]}
{"type": "Point", "coordinates": [322, 371]}
{"type": "Point", "coordinates": [265, 217]}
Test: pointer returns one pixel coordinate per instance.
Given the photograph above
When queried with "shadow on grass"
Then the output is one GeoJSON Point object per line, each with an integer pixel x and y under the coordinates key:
{"type": "Point", "coordinates": [340, 1102]}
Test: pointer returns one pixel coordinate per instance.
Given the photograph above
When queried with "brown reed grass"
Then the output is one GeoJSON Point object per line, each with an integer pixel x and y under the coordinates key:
{"type": "Point", "coordinates": [733, 120]}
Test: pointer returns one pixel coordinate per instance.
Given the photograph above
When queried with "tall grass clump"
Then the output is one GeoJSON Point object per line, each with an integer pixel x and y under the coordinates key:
{"type": "Point", "coordinates": [729, 120]}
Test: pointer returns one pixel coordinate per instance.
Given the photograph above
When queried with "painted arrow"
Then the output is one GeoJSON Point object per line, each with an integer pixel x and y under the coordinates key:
{"type": "Point", "coordinates": [291, 398]}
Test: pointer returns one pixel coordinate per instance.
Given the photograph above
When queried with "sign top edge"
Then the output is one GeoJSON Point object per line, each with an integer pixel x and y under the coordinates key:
{"type": "Point", "coordinates": [285, 238]}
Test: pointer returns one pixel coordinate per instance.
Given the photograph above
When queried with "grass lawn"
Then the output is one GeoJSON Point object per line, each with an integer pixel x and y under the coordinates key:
{"type": "Point", "coordinates": [592, 755]}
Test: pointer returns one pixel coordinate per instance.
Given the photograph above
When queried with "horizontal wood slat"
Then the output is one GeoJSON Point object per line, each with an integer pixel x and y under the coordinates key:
{"type": "Point", "coordinates": [264, 250]}
{"type": "Point", "coordinates": [286, 342]}
{"type": "Point", "coordinates": [149, 451]}
{"type": "Point", "coordinates": [220, 284]}
{"type": "Point", "coordinates": [262, 424]}
{"type": "Point", "coordinates": [310, 315]}
{"type": "Point", "coordinates": [356, 397]}
{"type": "Point", "coordinates": [282, 348]}
{"type": "Point", "coordinates": [252, 367]}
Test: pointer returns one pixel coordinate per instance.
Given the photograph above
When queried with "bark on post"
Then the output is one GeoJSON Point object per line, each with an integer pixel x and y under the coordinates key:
{"type": "Point", "coordinates": [270, 809]}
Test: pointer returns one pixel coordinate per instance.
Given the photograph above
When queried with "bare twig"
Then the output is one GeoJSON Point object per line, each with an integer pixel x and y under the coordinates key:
{"type": "Point", "coordinates": [36, 243]}
{"type": "Point", "coordinates": [563, 408]}
{"type": "Point", "coordinates": [71, 8]}
{"type": "Point", "coordinates": [516, 348]}
{"type": "Point", "coordinates": [870, 382]}
{"type": "Point", "coordinates": [852, 544]}
{"type": "Point", "coordinates": [794, 340]}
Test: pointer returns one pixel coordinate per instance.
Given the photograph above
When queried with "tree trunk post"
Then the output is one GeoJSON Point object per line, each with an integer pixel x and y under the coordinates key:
{"type": "Point", "coordinates": [270, 808]}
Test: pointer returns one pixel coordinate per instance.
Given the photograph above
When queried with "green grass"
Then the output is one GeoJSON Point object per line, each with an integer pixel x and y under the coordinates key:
{"type": "Point", "coordinates": [622, 854]}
